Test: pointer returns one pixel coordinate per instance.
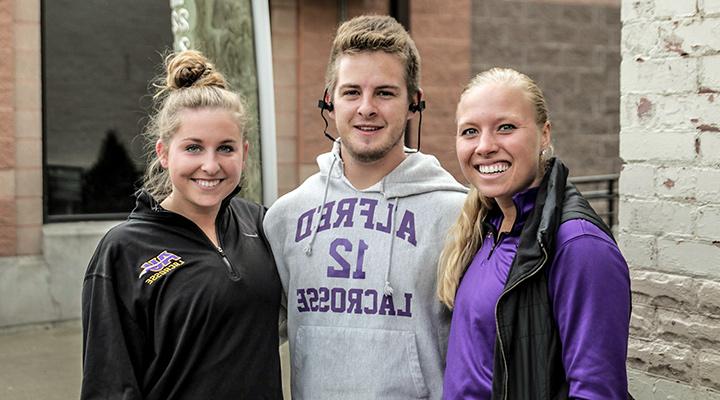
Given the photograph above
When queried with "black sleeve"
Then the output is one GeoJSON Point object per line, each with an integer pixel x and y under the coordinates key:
{"type": "Point", "coordinates": [112, 342]}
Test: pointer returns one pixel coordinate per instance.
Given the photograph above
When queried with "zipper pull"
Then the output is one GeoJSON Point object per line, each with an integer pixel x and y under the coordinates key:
{"type": "Point", "coordinates": [231, 271]}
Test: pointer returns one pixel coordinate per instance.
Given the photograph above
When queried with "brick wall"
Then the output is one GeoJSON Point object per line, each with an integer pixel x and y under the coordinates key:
{"type": "Point", "coordinates": [28, 128]}
{"type": "Point", "coordinates": [7, 131]}
{"type": "Point", "coordinates": [572, 49]}
{"type": "Point", "coordinates": [670, 194]}
{"type": "Point", "coordinates": [443, 36]}
{"type": "Point", "coordinates": [302, 34]}
{"type": "Point", "coordinates": [20, 131]}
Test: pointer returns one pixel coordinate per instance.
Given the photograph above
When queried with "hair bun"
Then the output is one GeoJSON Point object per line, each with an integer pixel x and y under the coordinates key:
{"type": "Point", "coordinates": [188, 75]}
{"type": "Point", "coordinates": [191, 68]}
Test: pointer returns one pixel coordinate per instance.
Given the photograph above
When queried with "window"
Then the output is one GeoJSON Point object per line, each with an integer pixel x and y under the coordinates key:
{"type": "Point", "coordinates": [98, 57]}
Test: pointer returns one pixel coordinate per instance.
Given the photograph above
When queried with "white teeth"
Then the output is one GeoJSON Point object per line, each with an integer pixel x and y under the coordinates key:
{"type": "Point", "coordinates": [493, 169]}
{"type": "Point", "coordinates": [368, 128]}
{"type": "Point", "coordinates": [206, 183]}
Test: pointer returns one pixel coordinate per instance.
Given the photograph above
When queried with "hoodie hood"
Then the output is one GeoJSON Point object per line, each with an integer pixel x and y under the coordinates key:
{"type": "Point", "coordinates": [359, 270]}
{"type": "Point", "coordinates": [418, 173]}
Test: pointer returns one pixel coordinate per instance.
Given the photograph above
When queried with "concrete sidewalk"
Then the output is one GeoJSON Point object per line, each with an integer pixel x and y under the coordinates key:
{"type": "Point", "coordinates": [41, 362]}
{"type": "Point", "coordinates": [45, 362]}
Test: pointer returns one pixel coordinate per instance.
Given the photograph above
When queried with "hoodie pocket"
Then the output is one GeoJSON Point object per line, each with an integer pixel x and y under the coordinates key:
{"type": "Point", "coordinates": [354, 363]}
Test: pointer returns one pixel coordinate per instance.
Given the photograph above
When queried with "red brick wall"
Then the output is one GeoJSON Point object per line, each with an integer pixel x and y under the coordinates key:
{"type": "Point", "coordinates": [301, 48]}
{"type": "Point", "coordinates": [442, 34]}
{"type": "Point", "coordinates": [572, 49]}
{"type": "Point", "coordinates": [8, 235]}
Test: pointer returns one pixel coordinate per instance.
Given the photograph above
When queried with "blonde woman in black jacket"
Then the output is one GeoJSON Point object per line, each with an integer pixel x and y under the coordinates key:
{"type": "Point", "coordinates": [181, 300]}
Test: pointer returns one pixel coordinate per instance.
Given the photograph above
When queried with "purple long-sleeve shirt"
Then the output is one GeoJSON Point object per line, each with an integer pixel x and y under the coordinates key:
{"type": "Point", "coordinates": [589, 287]}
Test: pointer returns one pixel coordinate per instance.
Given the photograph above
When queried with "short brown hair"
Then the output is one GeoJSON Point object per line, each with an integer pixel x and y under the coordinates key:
{"type": "Point", "coordinates": [375, 33]}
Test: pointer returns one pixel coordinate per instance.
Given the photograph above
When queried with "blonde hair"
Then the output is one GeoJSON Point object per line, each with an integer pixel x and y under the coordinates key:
{"type": "Point", "coordinates": [375, 33]}
{"type": "Point", "coordinates": [466, 234]}
{"type": "Point", "coordinates": [190, 82]}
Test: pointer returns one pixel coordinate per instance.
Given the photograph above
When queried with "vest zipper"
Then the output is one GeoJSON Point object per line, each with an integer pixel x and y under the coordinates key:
{"type": "Point", "coordinates": [497, 325]}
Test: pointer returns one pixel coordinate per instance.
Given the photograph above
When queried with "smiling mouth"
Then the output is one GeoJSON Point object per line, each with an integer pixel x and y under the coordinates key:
{"type": "Point", "coordinates": [207, 183]}
{"type": "Point", "coordinates": [366, 128]}
{"type": "Point", "coordinates": [492, 169]}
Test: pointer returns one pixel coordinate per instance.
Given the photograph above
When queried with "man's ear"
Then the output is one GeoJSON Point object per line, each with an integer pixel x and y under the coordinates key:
{"type": "Point", "coordinates": [417, 98]}
{"type": "Point", "coordinates": [328, 100]}
{"type": "Point", "coordinates": [161, 151]}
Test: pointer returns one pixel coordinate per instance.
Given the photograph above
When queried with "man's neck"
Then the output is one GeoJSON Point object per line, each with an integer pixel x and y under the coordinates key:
{"type": "Point", "coordinates": [362, 175]}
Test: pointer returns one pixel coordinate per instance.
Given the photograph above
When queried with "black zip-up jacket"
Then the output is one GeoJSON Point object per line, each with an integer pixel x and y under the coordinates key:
{"type": "Point", "coordinates": [528, 355]}
{"type": "Point", "coordinates": [167, 315]}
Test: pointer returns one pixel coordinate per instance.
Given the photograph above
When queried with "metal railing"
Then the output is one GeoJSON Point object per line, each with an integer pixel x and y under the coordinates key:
{"type": "Point", "coordinates": [601, 191]}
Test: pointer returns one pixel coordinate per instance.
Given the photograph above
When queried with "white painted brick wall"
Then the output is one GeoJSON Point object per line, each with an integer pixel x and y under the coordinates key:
{"type": "Point", "coordinates": [709, 7]}
{"type": "Point", "coordinates": [662, 356]}
{"type": "Point", "coordinates": [669, 290]}
{"type": "Point", "coordinates": [635, 10]}
{"type": "Point", "coordinates": [688, 256]}
{"type": "Point", "coordinates": [686, 327]}
{"type": "Point", "coordinates": [638, 249]}
{"type": "Point", "coordinates": [709, 77]}
{"type": "Point", "coordinates": [638, 180]}
{"type": "Point", "coordinates": [669, 212]}
{"type": "Point", "coordinates": [676, 182]}
{"type": "Point", "coordinates": [709, 367]}
{"type": "Point", "coordinates": [708, 185]}
{"type": "Point", "coordinates": [710, 145]}
{"type": "Point", "coordinates": [672, 146]}
{"type": "Point", "coordinates": [658, 76]}
{"type": "Point", "coordinates": [709, 296]}
{"type": "Point", "coordinates": [708, 220]}
{"type": "Point", "coordinates": [643, 320]}
{"type": "Point", "coordinates": [699, 35]}
{"type": "Point", "coordinates": [656, 217]}
{"type": "Point", "coordinates": [674, 8]}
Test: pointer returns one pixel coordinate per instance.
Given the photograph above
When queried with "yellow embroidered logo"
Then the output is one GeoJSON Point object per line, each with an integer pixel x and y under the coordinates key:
{"type": "Point", "coordinates": [159, 266]}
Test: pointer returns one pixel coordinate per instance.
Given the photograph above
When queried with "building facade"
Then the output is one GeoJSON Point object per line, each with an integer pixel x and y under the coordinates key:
{"type": "Point", "coordinates": [663, 135]}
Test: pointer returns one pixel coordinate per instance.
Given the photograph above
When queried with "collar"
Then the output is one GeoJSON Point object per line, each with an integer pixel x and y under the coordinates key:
{"type": "Point", "coordinates": [524, 203]}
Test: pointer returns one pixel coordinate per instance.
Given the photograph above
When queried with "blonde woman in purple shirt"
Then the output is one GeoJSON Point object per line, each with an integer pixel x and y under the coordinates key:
{"type": "Point", "coordinates": [539, 290]}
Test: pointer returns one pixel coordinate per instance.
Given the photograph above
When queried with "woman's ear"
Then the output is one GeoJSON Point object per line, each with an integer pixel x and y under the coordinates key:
{"type": "Point", "coordinates": [246, 147]}
{"type": "Point", "coordinates": [161, 152]}
{"type": "Point", "coordinates": [546, 135]}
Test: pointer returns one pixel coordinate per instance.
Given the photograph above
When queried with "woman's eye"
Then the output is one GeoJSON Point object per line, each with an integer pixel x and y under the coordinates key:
{"type": "Point", "coordinates": [506, 128]}
{"type": "Point", "coordinates": [193, 148]}
{"type": "Point", "coordinates": [468, 131]}
{"type": "Point", "coordinates": [226, 149]}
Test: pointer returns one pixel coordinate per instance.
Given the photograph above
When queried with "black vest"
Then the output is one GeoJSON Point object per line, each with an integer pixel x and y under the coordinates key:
{"type": "Point", "coordinates": [528, 357]}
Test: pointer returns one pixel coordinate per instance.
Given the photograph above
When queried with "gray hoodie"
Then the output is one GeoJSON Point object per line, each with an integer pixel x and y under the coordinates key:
{"type": "Point", "coordinates": [359, 271]}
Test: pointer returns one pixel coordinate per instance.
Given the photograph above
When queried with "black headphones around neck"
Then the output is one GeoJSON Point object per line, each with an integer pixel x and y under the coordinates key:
{"type": "Point", "coordinates": [327, 105]}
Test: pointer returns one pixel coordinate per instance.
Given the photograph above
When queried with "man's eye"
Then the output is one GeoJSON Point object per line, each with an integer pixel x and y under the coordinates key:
{"type": "Point", "coordinates": [226, 148]}
{"type": "Point", "coordinates": [386, 93]}
{"type": "Point", "coordinates": [350, 92]}
{"type": "Point", "coordinates": [506, 128]}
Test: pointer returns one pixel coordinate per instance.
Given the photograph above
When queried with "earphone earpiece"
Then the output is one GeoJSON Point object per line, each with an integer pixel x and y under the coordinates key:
{"type": "Point", "coordinates": [415, 107]}
{"type": "Point", "coordinates": [324, 105]}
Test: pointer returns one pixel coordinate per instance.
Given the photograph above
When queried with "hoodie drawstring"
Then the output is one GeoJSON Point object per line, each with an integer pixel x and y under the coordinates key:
{"type": "Point", "coordinates": [308, 247]}
{"type": "Point", "coordinates": [387, 289]}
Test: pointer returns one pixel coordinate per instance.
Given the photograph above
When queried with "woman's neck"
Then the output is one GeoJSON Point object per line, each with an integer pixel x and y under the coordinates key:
{"type": "Point", "coordinates": [204, 219]}
{"type": "Point", "coordinates": [509, 211]}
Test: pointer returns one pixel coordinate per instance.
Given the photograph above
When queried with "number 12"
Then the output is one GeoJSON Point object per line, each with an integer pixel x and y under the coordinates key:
{"type": "Point", "coordinates": [343, 271]}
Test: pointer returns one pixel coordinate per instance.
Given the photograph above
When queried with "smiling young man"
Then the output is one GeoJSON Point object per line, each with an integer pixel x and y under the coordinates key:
{"type": "Point", "coordinates": [357, 244]}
